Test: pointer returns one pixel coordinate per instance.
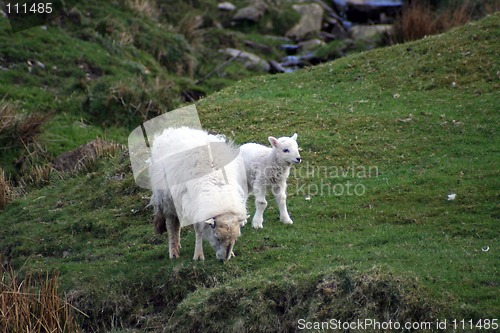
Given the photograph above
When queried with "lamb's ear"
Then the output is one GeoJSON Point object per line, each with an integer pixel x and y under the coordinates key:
{"type": "Point", "coordinates": [294, 136]}
{"type": "Point", "coordinates": [273, 141]}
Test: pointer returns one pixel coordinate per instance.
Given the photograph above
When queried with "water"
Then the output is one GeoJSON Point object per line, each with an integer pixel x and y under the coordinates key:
{"type": "Point", "coordinates": [372, 2]}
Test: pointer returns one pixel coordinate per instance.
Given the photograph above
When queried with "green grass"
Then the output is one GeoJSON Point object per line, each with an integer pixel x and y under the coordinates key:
{"type": "Point", "coordinates": [111, 67]}
{"type": "Point", "coordinates": [416, 122]}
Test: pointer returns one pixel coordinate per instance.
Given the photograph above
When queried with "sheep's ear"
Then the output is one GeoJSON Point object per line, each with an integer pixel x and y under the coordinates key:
{"type": "Point", "coordinates": [294, 136]}
{"type": "Point", "coordinates": [273, 141]}
{"type": "Point", "coordinates": [211, 222]}
{"type": "Point", "coordinates": [242, 219]}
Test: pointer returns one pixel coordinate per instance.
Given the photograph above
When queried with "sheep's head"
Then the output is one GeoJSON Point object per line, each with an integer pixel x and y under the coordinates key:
{"type": "Point", "coordinates": [286, 148]}
{"type": "Point", "coordinates": [222, 232]}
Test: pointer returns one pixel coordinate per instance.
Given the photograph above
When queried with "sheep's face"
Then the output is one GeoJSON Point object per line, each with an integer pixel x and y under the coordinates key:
{"type": "Point", "coordinates": [223, 231]}
{"type": "Point", "coordinates": [286, 148]}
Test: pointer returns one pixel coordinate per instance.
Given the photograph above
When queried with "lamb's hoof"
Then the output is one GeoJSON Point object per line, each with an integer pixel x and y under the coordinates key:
{"type": "Point", "coordinates": [289, 221]}
{"type": "Point", "coordinates": [199, 257]}
{"type": "Point", "coordinates": [257, 223]}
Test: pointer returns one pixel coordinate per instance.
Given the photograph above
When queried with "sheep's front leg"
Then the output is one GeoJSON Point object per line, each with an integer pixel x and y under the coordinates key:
{"type": "Point", "coordinates": [260, 206]}
{"type": "Point", "coordinates": [198, 249]}
{"type": "Point", "coordinates": [280, 196]}
{"type": "Point", "coordinates": [174, 236]}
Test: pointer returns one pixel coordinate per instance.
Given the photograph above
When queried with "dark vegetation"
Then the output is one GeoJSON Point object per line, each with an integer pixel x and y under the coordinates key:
{"type": "Point", "coordinates": [424, 18]}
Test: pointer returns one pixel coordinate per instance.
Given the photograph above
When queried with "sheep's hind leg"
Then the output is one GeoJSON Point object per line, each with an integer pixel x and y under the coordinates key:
{"type": "Point", "coordinates": [174, 236]}
{"type": "Point", "coordinates": [198, 250]}
{"type": "Point", "coordinates": [260, 206]}
{"type": "Point", "coordinates": [280, 196]}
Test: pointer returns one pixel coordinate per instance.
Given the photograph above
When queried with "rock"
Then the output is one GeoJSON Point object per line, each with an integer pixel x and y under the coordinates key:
{"type": "Point", "coordinates": [251, 13]}
{"type": "Point", "coordinates": [257, 46]}
{"type": "Point", "coordinates": [326, 36]}
{"type": "Point", "coordinates": [40, 64]}
{"type": "Point", "coordinates": [335, 27]}
{"type": "Point", "coordinates": [226, 6]}
{"type": "Point", "coordinates": [312, 44]}
{"type": "Point", "coordinates": [369, 32]}
{"type": "Point", "coordinates": [79, 157]}
{"type": "Point", "coordinates": [250, 60]}
{"type": "Point", "coordinates": [310, 21]}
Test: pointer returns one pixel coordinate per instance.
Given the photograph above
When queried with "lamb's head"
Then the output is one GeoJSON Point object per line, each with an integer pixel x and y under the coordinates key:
{"type": "Point", "coordinates": [222, 232]}
{"type": "Point", "coordinates": [286, 148]}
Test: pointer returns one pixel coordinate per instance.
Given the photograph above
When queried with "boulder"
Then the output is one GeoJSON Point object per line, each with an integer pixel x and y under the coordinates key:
{"type": "Point", "coordinates": [79, 157]}
{"type": "Point", "coordinates": [251, 13]}
{"type": "Point", "coordinates": [311, 17]}
{"type": "Point", "coordinates": [311, 44]}
{"type": "Point", "coordinates": [369, 32]}
{"type": "Point", "coordinates": [226, 6]}
{"type": "Point", "coordinates": [250, 60]}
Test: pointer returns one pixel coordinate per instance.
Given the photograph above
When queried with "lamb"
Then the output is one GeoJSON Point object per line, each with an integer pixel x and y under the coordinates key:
{"type": "Point", "coordinates": [268, 169]}
{"type": "Point", "coordinates": [198, 178]}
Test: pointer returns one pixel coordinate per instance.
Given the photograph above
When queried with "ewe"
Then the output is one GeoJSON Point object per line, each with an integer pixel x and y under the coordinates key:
{"type": "Point", "coordinates": [268, 169]}
{"type": "Point", "coordinates": [198, 178]}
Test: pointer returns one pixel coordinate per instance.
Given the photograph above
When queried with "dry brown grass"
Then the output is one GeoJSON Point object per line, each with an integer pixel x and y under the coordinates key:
{"type": "Point", "coordinates": [5, 189]}
{"type": "Point", "coordinates": [490, 8]}
{"type": "Point", "coordinates": [190, 26]}
{"type": "Point", "coordinates": [17, 129]}
{"type": "Point", "coordinates": [33, 304]}
{"type": "Point", "coordinates": [147, 8]}
{"type": "Point", "coordinates": [419, 19]}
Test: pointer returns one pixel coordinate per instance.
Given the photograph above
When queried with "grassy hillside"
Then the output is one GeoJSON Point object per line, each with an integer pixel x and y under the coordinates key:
{"type": "Point", "coordinates": [107, 66]}
{"type": "Point", "coordinates": [386, 136]}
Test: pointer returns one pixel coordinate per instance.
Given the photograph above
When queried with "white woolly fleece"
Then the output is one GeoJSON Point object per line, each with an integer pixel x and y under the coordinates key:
{"type": "Point", "coordinates": [187, 170]}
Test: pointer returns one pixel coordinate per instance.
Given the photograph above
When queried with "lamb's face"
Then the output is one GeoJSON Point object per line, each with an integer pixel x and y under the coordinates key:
{"type": "Point", "coordinates": [286, 148]}
{"type": "Point", "coordinates": [223, 233]}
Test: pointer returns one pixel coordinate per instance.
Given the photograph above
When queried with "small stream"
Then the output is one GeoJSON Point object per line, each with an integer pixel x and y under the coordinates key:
{"type": "Point", "coordinates": [351, 12]}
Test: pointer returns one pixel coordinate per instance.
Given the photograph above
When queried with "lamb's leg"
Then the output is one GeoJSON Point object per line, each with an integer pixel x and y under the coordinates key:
{"type": "Point", "coordinates": [174, 236]}
{"type": "Point", "coordinates": [280, 196]}
{"type": "Point", "coordinates": [198, 249]}
{"type": "Point", "coordinates": [260, 206]}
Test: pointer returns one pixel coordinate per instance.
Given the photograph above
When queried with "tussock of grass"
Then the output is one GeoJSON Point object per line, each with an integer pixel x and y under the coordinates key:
{"type": "Point", "coordinates": [128, 103]}
{"type": "Point", "coordinates": [253, 304]}
{"type": "Point", "coordinates": [17, 129]}
{"type": "Point", "coordinates": [147, 8]}
{"type": "Point", "coordinates": [419, 19]}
